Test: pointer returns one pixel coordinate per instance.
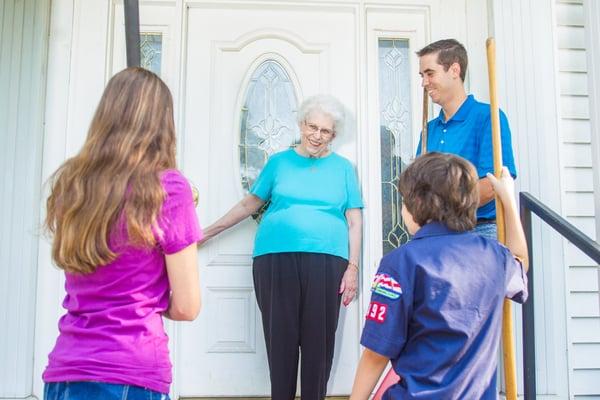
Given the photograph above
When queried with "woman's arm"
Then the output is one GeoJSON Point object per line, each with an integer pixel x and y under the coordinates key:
{"type": "Point", "coordinates": [370, 368]}
{"type": "Point", "coordinates": [242, 210]}
{"type": "Point", "coordinates": [349, 283]}
{"type": "Point", "coordinates": [182, 270]}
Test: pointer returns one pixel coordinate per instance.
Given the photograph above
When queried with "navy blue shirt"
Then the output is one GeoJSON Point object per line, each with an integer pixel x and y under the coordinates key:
{"type": "Point", "coordinates": [469, 134]}
{"type": "Point", "coordinates": [436, 312]}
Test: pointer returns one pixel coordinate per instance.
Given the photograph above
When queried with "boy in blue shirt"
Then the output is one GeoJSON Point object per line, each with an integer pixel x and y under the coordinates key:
{"type": "Point", "coordinates": [436, 305]}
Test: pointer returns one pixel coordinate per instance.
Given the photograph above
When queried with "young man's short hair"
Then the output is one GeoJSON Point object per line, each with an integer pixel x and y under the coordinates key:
{"type": "Point", "coordinates": [449, 51]}
{"type": "Point", "coordinates": [441, 187]}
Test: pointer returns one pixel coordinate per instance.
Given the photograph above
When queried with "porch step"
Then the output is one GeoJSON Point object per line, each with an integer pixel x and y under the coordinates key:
{"type": "Point", "coordinates": [253, 398]}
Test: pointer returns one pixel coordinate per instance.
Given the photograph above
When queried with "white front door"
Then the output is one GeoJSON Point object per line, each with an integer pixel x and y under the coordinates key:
{"type": "Point", "coordinates": [223, 353]}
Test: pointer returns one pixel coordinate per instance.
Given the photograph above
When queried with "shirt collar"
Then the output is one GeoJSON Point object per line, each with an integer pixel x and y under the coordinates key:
{"type": "Point", "coordinates": [433, 229]}
{"type": "Point", "coordinates": [463, 110]}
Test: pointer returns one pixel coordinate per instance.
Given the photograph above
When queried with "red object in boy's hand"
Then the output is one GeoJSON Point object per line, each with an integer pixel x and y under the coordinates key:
{"type": "Point", "coordinates": [390, 379]}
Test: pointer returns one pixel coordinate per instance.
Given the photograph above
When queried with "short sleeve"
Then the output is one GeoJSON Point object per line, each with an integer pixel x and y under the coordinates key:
{"type": "Point", "coordinates": [386, 323]}
{"type": "Point", "coordinates": [485, 159]}
{"type": "Point", "coordinates": [354, 199]}
{"type": "Point", "coordinates": [178, 221]}
{"type": "Point", "coordinates": [263, 186]}
{"type": "Point", "coordinates": [516, 279]}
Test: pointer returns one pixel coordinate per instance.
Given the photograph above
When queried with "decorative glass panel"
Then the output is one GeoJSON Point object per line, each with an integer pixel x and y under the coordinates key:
{"type": "Point", "coordinates": [151, 51]}
{"type": "Point", "coordinates": [395, 128]}
{"type": "Point", "coordinates": [268, 120]}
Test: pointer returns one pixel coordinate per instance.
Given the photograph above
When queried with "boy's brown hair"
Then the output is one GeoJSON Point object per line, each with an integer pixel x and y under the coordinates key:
{"type": "Point", "coordinates": [440, 187]}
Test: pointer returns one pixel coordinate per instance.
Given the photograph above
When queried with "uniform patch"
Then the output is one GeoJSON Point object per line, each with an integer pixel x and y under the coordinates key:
{"type": "Point", "coordinates": [386, 286]}
{"type": "Point", "coordinates": [377, 312]}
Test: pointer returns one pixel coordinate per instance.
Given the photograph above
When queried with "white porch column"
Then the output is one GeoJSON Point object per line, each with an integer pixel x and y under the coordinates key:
{"type": "Point", "coordinates": [528, 92]}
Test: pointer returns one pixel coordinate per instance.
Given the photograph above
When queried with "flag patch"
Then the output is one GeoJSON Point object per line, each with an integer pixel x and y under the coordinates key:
{"type": "Point", "coordinates": [386, 286]}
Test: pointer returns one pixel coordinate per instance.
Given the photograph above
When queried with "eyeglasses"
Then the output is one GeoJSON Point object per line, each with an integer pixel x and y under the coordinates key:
{"type": "Point", "coordinates": [313, 129]}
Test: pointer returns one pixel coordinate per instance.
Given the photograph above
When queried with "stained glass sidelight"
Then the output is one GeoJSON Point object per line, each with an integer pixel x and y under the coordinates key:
{"type": "Point", "coordinates": [395, 135]}
{"type": "Point", "coordinates": [151, 51]}
{"type": "Point", "coordinates": [268, 119]}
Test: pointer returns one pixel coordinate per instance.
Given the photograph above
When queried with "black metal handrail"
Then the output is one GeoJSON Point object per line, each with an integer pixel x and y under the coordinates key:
{"type": "Point", "coordinates": [529, 204]}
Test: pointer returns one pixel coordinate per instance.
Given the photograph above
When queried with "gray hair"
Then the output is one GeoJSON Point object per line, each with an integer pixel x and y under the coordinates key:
{"type": "Point", "coordinates": [325, 104]}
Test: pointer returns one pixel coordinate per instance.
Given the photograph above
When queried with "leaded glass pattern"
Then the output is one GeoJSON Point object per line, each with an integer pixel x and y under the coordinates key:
{"type": "Point", "coordinates": [395, 137]}
{"type": "Point", "coordinates": [268, 119]}
{"type": "Point", "coordinates": [151, 51]}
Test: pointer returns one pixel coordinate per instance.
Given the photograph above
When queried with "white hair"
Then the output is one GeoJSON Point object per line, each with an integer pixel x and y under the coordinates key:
{"type": "Point", "coordinates": [325, 104]}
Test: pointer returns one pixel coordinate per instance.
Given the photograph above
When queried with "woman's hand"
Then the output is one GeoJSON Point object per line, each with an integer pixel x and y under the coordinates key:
{"type": "Point", "coordinates": [349, 284]}
{"type": "Point", "coordinates": [350, 279]}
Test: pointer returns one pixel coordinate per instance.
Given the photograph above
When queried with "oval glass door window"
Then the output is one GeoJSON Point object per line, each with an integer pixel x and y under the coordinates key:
{"type": "Point", "coordinates": [268, 120]}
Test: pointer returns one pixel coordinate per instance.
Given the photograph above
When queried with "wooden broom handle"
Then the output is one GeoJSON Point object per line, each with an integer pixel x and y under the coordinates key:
{"type": "Point", "coordinates": [508, 344]}
{"type": "Point", "coordinates": [424, 127]}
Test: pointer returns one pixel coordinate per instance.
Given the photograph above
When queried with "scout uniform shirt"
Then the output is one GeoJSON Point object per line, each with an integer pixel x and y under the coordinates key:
{"type": "Point", "coordinates": [436, 310]}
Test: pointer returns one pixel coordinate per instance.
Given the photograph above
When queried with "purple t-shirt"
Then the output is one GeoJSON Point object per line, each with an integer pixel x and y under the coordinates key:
{"type": "Point", "coordinates": [113, 329]}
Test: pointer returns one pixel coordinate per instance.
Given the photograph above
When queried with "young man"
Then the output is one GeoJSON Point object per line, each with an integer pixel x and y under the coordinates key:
{"type": "Point", "coordinates": [463, 126]}
{"type": "Point", "coordinates": [436, 303]}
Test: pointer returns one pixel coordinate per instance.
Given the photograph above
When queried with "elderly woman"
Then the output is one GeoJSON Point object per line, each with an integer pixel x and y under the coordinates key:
{"type": "Point", "coordinates": [306, 251]}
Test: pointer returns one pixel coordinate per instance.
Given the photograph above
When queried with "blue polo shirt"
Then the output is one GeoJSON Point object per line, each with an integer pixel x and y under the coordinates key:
{"type": "Point", "coordinates": [309, 198]}
{"type": "Point", "coordinates": [436, 311]}
{"type": "Point", "coordinates": [469, 134]}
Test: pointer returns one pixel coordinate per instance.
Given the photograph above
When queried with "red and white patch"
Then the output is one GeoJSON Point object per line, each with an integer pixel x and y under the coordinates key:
{"type": "Point", "coordinates": [377, 312]}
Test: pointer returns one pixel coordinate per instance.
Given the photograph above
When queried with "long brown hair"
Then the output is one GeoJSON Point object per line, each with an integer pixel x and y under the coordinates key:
{"type": "Point", "coordinates": [116, 173]}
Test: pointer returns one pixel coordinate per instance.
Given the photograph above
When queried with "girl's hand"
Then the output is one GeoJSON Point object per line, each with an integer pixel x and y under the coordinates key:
{"type": "Point", "coordinates": [349, 284]}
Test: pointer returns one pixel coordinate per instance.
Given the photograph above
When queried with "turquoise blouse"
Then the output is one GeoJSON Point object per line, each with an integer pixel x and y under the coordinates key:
{"type": "Point", "coordinates": [309, 198]}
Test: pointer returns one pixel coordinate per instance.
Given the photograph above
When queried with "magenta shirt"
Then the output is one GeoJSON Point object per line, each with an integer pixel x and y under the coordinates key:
{"type": "Point", "coordinates": [113, 329]}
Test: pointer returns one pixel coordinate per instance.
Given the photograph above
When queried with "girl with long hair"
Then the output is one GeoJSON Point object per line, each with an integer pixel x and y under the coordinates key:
{"type": "Point", "coordinates": [124, 231]}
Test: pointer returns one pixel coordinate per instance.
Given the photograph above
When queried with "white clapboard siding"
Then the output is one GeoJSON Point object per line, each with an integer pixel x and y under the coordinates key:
{"type": "Point", "coordinates": [573, 84]}
{"type": "Point", "coordinates": [579, 204]}
{"type": "Point", "coordinates": [584, 330]}
{"type": "Point", "coordinates": [578, 180]}
{"type": "Point", "coordinates": [23, 44]}
{"type": "Point", "coordinates": [578, 200]}
{"type": "Point", "coordinates": [575, 130]}
{"type": "Point", "coordinates": [571, 37]}
{"type": "Point", "coordinates": [577, 155]}
{"type": "Point", "coordinates": [583, 278]}
{"type": "Point", "coordinates": [575, 107]}
{"type": "Point", "coordinates": [570, 60]}
{"type": "Point", "coordinates": [585, 381]}
{"type": "Point", "coordinates": [569, 16]}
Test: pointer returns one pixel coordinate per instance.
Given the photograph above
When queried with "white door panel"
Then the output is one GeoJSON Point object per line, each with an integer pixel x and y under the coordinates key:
{"type": "Point", "coordinates": [223, 353]}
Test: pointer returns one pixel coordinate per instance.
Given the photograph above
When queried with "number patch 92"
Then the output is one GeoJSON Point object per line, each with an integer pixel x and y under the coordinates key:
{"type": "Point", "coordinates": [377, 312]}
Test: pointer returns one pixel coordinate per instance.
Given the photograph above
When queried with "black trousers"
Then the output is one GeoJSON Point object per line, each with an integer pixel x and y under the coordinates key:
{"type": "Point", "coordinates": [297, 294]}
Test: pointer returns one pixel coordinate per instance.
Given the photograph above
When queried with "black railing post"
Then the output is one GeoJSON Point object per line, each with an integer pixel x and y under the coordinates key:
{"type": "Point", "coordinates": [132, 32]}
{"type": "Point", "coordinates": [528, 309]}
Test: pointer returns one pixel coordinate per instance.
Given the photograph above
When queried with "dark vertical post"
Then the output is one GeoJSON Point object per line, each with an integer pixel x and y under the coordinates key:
{"type": "Point", "coordinates": [528, 309]}
{"type": "Point", "coordinates": [132, 32]}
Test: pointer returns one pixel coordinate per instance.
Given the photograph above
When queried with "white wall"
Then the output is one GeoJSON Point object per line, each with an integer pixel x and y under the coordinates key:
{"type": "Point", "coordinates": [528, 90]}
{"type": "Point", "coordinates": [23, 46]}
{"type": "Point", "coordinates": [578, 194]}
